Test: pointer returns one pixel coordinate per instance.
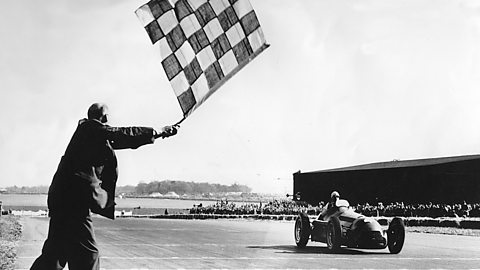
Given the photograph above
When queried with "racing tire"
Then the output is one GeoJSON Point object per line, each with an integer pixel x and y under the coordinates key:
{"type": "Point", "coordinates": [396, 235]}
{"type": "Point", "coordinates": [334, 234]}
{"type": "Point", "coordinates": [302, 230]}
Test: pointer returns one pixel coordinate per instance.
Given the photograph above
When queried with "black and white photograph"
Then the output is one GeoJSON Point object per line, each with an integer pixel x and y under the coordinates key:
{"type": "Point", "coordinates": [239, 134]}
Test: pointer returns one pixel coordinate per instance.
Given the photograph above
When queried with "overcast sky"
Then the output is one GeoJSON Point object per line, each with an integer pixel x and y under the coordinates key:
{"type": "Point", "coordinates": [343, 83]}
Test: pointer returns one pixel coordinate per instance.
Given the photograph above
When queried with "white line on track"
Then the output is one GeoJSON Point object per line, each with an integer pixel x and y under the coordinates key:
{"type": "Point", "coordinates": [227, 268]}
{"type": "Point", "coordinates": [280, 258]}
{"type": "Point", "coordinates": [236, 268]}
{"type": "Point", "coordinates": [152, 244]}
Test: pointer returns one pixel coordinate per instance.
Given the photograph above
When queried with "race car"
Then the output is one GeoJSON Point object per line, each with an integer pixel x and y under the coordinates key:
{"type": "Point", "coordinates": [342, 226]}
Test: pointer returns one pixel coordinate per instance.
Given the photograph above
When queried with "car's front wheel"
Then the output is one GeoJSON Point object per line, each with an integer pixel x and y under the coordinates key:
{"type": "Point", "coordinates": [334, 232]}
{"type": "Point", "coordinates": [302, 230]}
{"type": "Point", "coordinates": [396, 235]}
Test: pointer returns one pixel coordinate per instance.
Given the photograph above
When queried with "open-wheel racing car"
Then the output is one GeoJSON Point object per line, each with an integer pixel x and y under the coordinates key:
{"type": "Point", "coordinates": [342, 226]}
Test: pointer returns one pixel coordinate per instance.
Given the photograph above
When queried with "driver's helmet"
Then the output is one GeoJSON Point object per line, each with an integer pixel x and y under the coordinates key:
{"type": "Point", "coordinates": [334, 195]}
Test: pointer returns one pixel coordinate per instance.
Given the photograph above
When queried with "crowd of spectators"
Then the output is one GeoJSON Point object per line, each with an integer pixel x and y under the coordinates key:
{"type": "Point", "coordinates": [289, 207]}
{"type": "Point", "coordinates": [275, 207]}
{"type": "Point", "coordinates": [420, 210]}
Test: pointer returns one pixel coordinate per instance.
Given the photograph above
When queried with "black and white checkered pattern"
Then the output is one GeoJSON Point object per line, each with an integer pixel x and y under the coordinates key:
{"type": "Point", "coordinates": [202, 43]}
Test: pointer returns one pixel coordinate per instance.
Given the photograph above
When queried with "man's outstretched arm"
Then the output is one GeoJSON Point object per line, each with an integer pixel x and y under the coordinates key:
{"type": "Point", "coordinates": [134, 137]}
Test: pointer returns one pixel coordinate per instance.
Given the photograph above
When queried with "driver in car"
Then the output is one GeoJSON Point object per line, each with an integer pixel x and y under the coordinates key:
{"type": "Point", "coordinates": [331, 206]}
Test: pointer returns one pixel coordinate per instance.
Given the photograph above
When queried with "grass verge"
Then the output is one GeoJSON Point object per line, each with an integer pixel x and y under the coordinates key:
{"type": "Point", "coordinates": [10, 232]}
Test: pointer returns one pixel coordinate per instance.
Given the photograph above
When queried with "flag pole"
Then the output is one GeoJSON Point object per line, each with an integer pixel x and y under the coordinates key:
{"type": "Point", "coordinates": [179, 122]}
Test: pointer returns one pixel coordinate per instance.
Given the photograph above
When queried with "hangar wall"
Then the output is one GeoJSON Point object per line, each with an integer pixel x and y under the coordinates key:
{"type": "Point", "coordinates": [453, 181]}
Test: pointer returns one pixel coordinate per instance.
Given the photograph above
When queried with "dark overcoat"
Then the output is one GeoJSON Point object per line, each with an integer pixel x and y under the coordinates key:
{"type": "Point", "coordinates": [87, 174]}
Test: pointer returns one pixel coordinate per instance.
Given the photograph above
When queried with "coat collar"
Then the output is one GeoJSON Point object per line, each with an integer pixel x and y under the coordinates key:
{"type": "Point", "coordinates": [84, 120]}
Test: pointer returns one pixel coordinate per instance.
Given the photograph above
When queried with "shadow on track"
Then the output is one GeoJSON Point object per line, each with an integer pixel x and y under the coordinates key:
{"type": "Point", "coordinates": [315, 250]}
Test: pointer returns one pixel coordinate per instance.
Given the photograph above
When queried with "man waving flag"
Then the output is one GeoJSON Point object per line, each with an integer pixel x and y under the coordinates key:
{"type": "Point", "coordinates": [202, 43]}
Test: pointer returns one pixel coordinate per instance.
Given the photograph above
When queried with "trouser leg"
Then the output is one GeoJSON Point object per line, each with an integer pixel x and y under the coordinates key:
{"type": "Point", "coordinates": [83, 253]}
{"type": "Point", "coordinates": [69, 240]}
{"type": "Point", "coordinates": [48, 260]}
{"type": "Point", "coordinates": [53, 255]}
{"type": "Point", "coordinates": [82, 260]}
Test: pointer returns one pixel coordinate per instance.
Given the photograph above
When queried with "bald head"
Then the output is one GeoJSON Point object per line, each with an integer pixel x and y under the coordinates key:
{"type": "Point", "coordinates": [98, 111]}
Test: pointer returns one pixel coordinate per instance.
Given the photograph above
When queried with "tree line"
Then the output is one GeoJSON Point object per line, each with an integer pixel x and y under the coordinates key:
{"type": "Point", "coordinates": [27, 190]}
{"type": "Point", "coordinates": [190, 188]}
{"type": "Point", "coordinates": [179, 187]}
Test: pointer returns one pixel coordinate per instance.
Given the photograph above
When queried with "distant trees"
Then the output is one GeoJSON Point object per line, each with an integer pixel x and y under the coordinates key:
{"type": "Point", "coordinates": [35, 189]}
{"type": "Point", "coordinates": [191, 188]}
{"type": "Point", "coordinates": [125, 189]}
{"type": "Point", "coordinates": [179, 187]}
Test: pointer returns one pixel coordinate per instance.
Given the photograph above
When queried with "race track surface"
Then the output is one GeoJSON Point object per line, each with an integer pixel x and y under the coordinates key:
{"type": "Point", "coordinates": [131, 243]}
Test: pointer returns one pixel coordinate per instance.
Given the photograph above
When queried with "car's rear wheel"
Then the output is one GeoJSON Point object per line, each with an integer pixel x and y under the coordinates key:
{"type": "Point", "coordinates": [334, 234]}
{"type": "Point", "coordinates": [302, 230]}
{"type": "Point", "coordinates": [396, 235]}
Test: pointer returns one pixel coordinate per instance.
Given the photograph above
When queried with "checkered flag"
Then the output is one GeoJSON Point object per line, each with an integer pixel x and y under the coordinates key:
{"type": "Point", "coordinates": [202, 43]}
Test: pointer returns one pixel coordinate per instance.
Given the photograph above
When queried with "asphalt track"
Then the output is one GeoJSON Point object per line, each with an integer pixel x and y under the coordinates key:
{"type": "Point", "coordinates": [245, 244]}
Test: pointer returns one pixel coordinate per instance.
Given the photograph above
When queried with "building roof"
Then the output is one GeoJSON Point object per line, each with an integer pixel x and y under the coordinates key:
{"type": "Point", "coordinates": [402, 163]}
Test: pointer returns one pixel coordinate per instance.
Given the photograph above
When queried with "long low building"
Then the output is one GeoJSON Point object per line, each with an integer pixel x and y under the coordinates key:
{"type": "Point", "coordinates": [436, 180]}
